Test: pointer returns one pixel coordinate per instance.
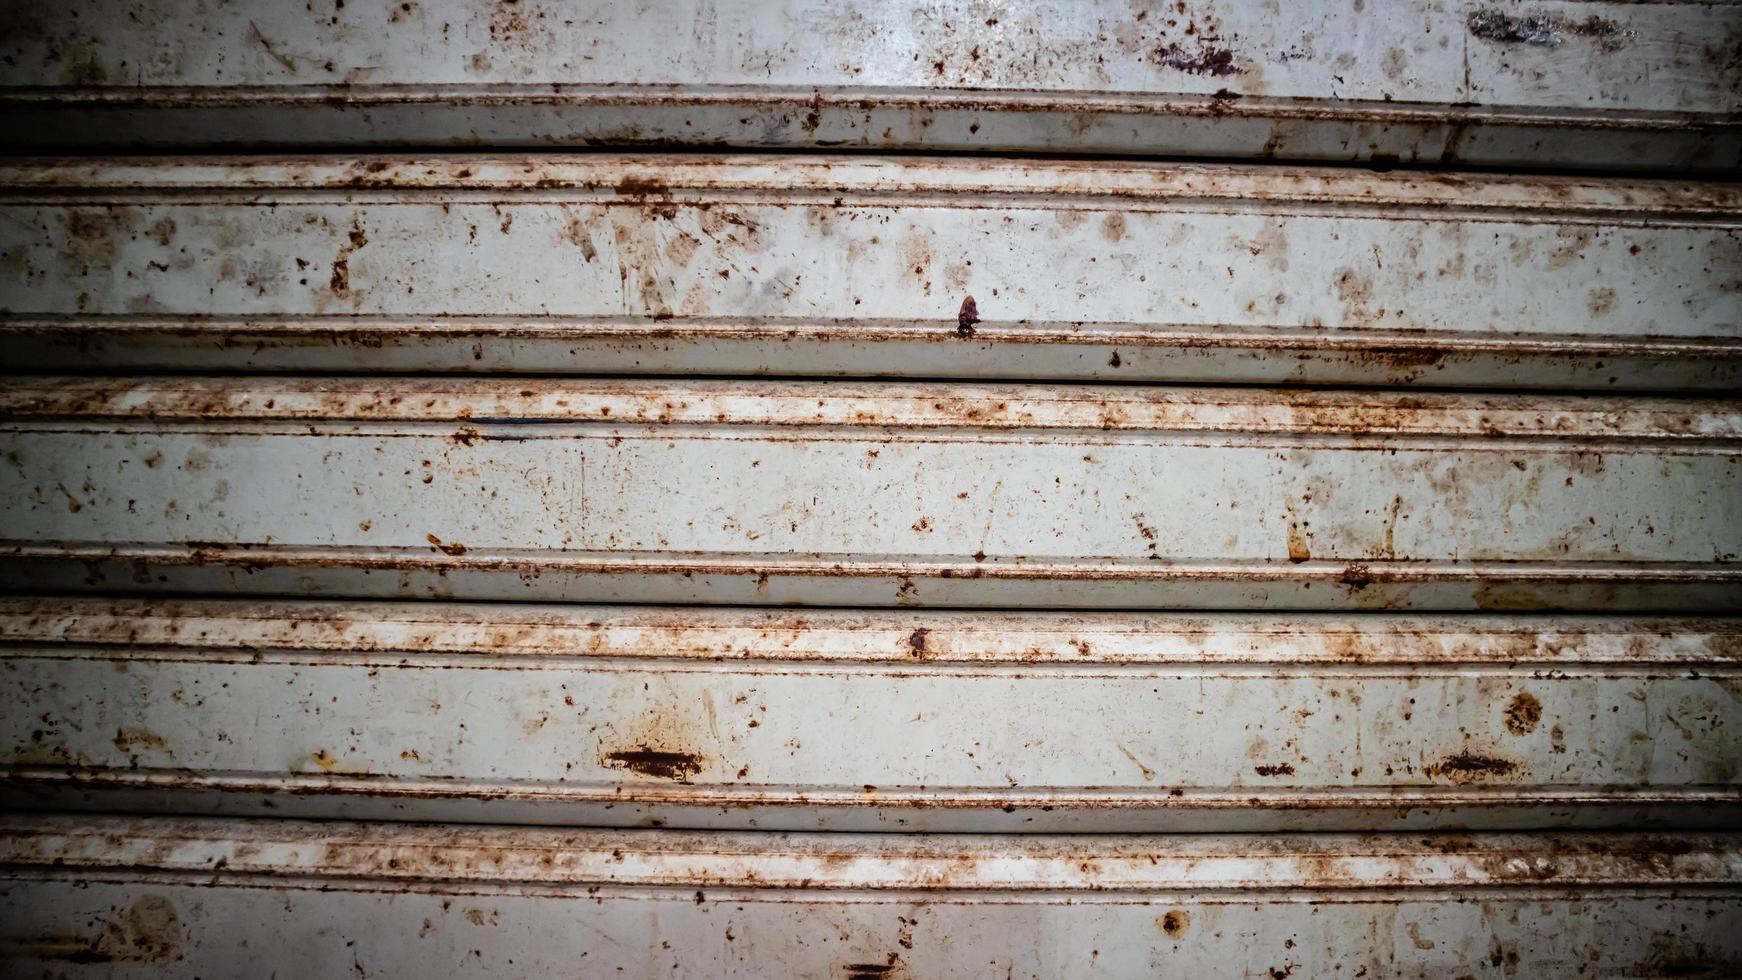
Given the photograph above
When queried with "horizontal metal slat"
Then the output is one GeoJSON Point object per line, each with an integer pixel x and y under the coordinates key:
{"type": "Point", "coordinates": [1579, 85]}
{"type": "Point", "coordinates": [227, 898]}
{"type": "Point", "coordinates": [830, 266]}
{"type": "Point", "coordinates": [866, 494]}
{"type": "Point", "coordinates": [820, 719]}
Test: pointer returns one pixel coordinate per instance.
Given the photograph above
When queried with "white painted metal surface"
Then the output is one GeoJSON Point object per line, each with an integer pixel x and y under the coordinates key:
{"type": "Point", "coordinates": [1511, 616]}
{"type": "Point", "coordinates": [897, 721]}
{"type": "Point", "coordinates": [855, 266]}
{"type": "Point", "coordinates": [1568, 84]}
{"type": "Point", "coordinates": [235, 898]}
{"type": "Point", "coordinates": [862, 494]}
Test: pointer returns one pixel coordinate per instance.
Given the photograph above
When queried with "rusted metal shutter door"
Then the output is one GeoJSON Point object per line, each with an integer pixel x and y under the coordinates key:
{"type": "Point", "coordinates": [1584, 85]}
{"type": "Point", "coordinates": [655, 561]}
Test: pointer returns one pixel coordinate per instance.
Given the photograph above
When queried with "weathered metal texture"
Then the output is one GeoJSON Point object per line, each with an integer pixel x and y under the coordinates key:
{"type": "Point", "coordinates": [218, 898]}
{"type": "Point", "coordinates": [1567, 84]}
{"type": "Point", "coordinates": [861, 721]}
{"type": "Point", "coordinates": [817, 266]}
{"type": "Point", "coordinates": [870, 494]}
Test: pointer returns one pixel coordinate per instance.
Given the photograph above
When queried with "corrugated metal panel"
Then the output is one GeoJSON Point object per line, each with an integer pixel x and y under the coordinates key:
{"type": "Point", "coordinates": [729, 265]}
{"type": "Point", "coordinates": [865, 494]}
{"type": "Point", "coordinates": [1572, 84]}
{"type": "Point", "coordinates": [227, 898]}
{"type": "Point", "coordinates": [1514, 615]}
{"type": "Point", "coordinates": [832, 720]}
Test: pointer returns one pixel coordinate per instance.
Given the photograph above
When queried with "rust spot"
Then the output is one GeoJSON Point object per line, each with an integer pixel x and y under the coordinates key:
{"type": "Point", "coordinates": [658, 763]}
{"type": "Point", "coordinates": [917, 641]}
{"type": "Point", "coordinates": [1174, 923]}
{"type": "Point", "coordinates": [455, 549]}
{"type": "Point", "coordinates": [1523, 713]}
{"type": "Point", "coordinates": [1278, 769]}
{"type": "Point", "coordinates": [1357, 577]}
{"type": "Point", "coordinates": [1207, 60]}
{"type": "Point", "coordinates": [1298, 549]}
{"type": "Point", "coordinates": [1468, 765]}
{"type": "Point", "coordinates": [967, 317]}
{"type": "Point", "coordinates": [341, 278]}
{"type": "Point", "coordinates": [634, 185]}
{"type": "Point", "coordinates": [73, 505]}
{"type": "Point", "coordinates": [134, 739]}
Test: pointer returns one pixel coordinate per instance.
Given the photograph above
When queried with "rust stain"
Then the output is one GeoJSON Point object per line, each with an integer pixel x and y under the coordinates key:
{"type": "Point", "coordinates": [635, 185]}
{"type": "Point", "coordinates": [1206, 60]}
{"type": "Point", "coordinates": [1414, 931]}
{"type": "Point", "coordinates": [966, 317]}
{"type": "Point", "coordinates": [1356, 576]}
{"type": "Point", "coordinates": [661, 764]}
{"type": "Point", "coordinates": [916, 640]}
{"type": "Point", "coordinates": [1148, 773]}
{"type": "Point", "coordinates": [1275, 769]}
{"type": "Point", "coordinates": [1298, 549]}
{"type": "Point", "coordinates": [148, 932]}
{"type": "Point", "coordinates": [1467, 765]}
{"type": "Point", "coordinates": [340, 282]}
{"type": "Point", "coordinates": [1175, 922]}
{"type": "Point", "coordinates": [1673, 955]}
{"type": "Point", "coordinates": [453, 548]}
{"type": "Point", "coordinates": [135, 739]}
{"type": "Point", "coordinates": [285, 60]}
{"type": "Point", "coordinates": [1523, 713]}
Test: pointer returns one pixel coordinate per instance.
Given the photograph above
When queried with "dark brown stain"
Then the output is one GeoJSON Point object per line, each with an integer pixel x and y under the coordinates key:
{"type": "Point", "coordinates": [1356, 577]}
{"type": "Point", "coordinates": [1278, 769]}
{"type": "Point", "coordinates": [1207, 60]}
{"type": "Point", "coordinates": [1523, 713]}
{"type": "Point", "coordinates": [341, 278]}
{"type": "Point", "coordinates": [917, 641]}
{"type": "Point", "coordinates": [1467, 764]}
{"type": "Point", "coordinates": [966, 317]}
{"type": "Point", "coordinates": [675, 766]}
{"type": "Point", "coordinates": [633, 185]}
{"type": "Point", "coordinates": [1174, 923]}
